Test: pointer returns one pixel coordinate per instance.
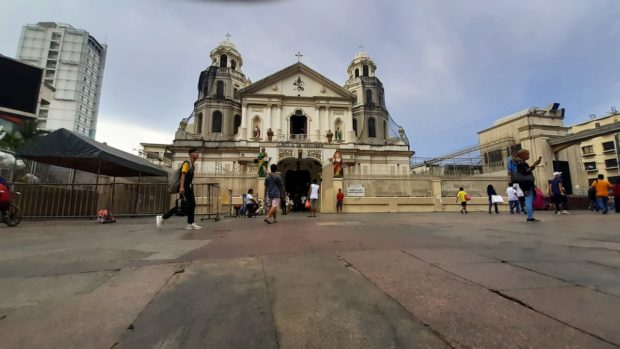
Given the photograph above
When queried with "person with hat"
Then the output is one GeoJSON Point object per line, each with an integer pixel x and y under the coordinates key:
{"type": "Point", "coordinates": [557, 193]}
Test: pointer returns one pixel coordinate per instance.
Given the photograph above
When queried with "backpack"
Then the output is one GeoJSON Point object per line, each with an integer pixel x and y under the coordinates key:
{"type": "Point", "coordinates": [174, 181]}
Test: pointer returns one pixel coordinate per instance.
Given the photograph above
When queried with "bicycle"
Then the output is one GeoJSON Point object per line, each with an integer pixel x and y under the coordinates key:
{"type": "Point", "coordinates": [12, 216]}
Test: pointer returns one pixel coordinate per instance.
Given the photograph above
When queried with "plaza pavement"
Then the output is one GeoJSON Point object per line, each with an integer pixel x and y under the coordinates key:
{"type": "Point", "coordinates": [436, 280]}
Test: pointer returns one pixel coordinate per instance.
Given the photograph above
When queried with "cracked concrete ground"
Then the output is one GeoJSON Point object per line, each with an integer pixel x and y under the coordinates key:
{"type": "Point", "coordinates": [336, 281]}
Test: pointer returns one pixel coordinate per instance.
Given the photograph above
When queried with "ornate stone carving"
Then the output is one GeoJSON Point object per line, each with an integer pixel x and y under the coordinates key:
{"type": "Point", "coordinates": [285, 153]}
{"type": "Point", "coordinates": [299, 84]}
{"type": "Point", "coordinates": [314, 154]}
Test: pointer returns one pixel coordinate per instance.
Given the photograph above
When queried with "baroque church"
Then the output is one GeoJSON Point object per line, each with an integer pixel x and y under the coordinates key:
{"type": "Point", "coordinates": [300, 118]}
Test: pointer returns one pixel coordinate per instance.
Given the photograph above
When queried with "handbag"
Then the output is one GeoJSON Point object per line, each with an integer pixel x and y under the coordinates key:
{"type": "Point", "coordinates": [180, 206]}
{"type": "Point", "coordinates": [518, 177]}
{"type": "Point", "coordinates": [467, 197]}
{"type": "Point", "coordinates": [307, 204]}
{"type": "Point", "coordinates": [497, 199]}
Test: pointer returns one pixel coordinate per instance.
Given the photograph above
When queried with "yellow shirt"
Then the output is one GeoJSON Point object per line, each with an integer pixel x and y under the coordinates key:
{"type": "Point", "coordinates": [460, 196]}
{"type": "Point", "coordinates": [602, 187]}
{"type": "Point", "coordinates": [185, 167]}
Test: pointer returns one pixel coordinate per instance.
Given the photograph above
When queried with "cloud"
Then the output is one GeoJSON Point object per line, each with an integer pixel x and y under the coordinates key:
{"type": "Point", "coordinates": [127, 136]}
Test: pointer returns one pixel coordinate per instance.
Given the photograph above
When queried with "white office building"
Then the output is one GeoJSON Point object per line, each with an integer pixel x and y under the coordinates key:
{"type": "Point", "coordinates": [74, 62]}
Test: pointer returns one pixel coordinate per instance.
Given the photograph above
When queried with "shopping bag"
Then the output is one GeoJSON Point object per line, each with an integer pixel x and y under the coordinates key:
{"type": "Point", "coordinates": [307, 205]}
{"type": "Point", "coordinates": [467, 197]}
{"type": "Point", "coordinates": [497, 199]}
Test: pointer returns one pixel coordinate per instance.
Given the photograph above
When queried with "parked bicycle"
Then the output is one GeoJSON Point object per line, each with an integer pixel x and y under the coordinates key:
{"type": "Point", "coordinates": [9, 211]}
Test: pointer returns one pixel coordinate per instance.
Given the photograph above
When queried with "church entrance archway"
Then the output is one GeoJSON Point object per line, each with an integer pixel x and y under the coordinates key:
{"type": "Point", "coordinates": [298, 174]}
{"type": "Point", "coordinates": [299, 125]}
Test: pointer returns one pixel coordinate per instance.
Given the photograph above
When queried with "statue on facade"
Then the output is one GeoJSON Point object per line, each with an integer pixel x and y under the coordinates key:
{"type": "Point", "coordinates": [262, 160]}
{"type": "Point", "coordinates": [401, 132]}
{"type": "Point", "coordinates": [338, 134]}
{"type": "Point", "coordinates": [337, 164]}
{"type": "Point", "coordinates": [256, 132]}
{"type": "Point", "coordinates": [329, 136]}
{"type": "Point", "coordinates": [269, 134]}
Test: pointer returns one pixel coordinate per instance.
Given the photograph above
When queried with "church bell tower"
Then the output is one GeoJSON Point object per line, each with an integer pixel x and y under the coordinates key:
{"type": "Point", "coordinates": [370, 116]}
{"type": "Point", "coordinates": [217, 111]}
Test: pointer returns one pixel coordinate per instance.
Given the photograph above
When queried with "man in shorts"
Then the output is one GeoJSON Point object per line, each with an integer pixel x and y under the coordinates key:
{"type": "Point", "coordinates": [274, 189]}
{"type": "Point", "coordinates": [313, 194]}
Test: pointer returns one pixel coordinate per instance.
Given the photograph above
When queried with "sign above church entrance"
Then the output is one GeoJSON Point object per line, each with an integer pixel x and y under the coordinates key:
{"type": "Point", "coordinates": [300, 145]}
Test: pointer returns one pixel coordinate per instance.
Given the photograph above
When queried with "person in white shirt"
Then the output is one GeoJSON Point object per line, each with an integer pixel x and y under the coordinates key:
{"type": "Point", "coordinates": [250, 203]}
{"type": "Point", "coordinates": [313, 194]}
{"type": "Point", "coordinates": [513, 199]}
{"type": "Point", "coordinates": [521, 197]}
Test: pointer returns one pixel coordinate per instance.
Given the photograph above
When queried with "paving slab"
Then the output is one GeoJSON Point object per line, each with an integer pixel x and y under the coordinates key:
{"type": "Point", "coordinates": [501, 276]}
{"type": "Point", "coordinates": [212, 304]}
{"type": "Point", "coordinates": [448, 255]}
{"type": "Point", "coordinates": [596, 276]}
{"type": "Point", "coordinates": [93, 320]}
{"type": "Point", "coordinates": [19, 292]}
{"type": "Point", "coordinates": [319, 303]}
{"type": "Point", "coordinates": [580, 307]}
{"type": "Point", "coordinates": [466, 314]}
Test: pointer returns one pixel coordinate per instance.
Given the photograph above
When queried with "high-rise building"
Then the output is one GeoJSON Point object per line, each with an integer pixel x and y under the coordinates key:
{"type": "Point", "coordinates": [73, 61]}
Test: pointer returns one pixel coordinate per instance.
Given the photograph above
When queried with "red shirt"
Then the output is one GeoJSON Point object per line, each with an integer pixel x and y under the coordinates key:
{"type": "Point", "coordinates": [340, 196]}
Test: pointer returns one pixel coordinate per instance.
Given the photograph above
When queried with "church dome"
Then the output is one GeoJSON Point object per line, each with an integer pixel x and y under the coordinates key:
{"type": "Point", "coordinates": [227, 43]}
{"type": "Point", "coordinates": [361, 54]}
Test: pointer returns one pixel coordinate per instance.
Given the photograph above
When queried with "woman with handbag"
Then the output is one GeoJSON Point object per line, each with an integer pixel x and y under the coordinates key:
{"type": "Point", "coordinates": [491, 193]}
{"type": "Point", "coordinates": [525, 178]}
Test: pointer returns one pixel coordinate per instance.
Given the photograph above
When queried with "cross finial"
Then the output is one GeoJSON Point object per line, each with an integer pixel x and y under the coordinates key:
{"type": "Point", "coordinates": [299, 55]}
{"type": "Point", "coordinates": [361, 47]}
{"type": "Point", "coordinates": [227, 36]}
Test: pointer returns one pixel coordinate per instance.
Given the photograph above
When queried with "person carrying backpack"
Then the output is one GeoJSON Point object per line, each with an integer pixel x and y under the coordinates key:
{"type": "Point", "coordinates": [186, 191]}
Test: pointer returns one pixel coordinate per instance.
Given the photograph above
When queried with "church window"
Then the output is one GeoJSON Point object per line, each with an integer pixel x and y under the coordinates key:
{"type": "Point", "coordinates": [299, 124]}
{"type": "Point", "coordinates": [357, 72]}
{"type": "Point", "coordinates": [198, 123]}
{"type": "Point", "coordinates": [236, 93]}
{"type": "Point", "coordinates": [355, 126]}
{"type": "Point", "coordinates": [369, 98]}
{"type": "Point", "coordinates": [223, 61]}
{"type": "Point", "coordinates": [365, 70]}
{"type": "Point", "coordinates": [237, 123]}
{"type": "Point", "coordinates": [372, 130]}
{"type": "Point", "coordinates": [233, 63]}
{"type": "Point", "coordinates": [219, 94]}
{"type": "Point", "coordinates": [216, 124]}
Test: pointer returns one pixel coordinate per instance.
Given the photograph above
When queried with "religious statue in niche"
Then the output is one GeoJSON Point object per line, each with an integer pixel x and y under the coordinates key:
{"type": "Point", "coordinates": [262, 160]}
{"type": "Point", "coordinates": [269, 134]}
{"type": "Point", "coordinates": [329, 136]}
{"type": "Point", "coordinates": [338, 134]}
{"type": "Point", "coordinates": [337, 164]}
{"type": "Point", "coordinates": [256, 132]}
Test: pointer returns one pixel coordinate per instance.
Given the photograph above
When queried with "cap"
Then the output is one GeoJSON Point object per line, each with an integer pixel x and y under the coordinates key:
{"type": "Point", "coordinates": [557, 173]}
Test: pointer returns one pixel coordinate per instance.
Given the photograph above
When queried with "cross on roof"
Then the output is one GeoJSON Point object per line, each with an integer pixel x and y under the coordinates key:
{"type": "Point", "coordinates": [299, 55]}
{"type": "Point", "coordinates": [361, 47]}
{"type": "Point", "coordinates": [227, 36]}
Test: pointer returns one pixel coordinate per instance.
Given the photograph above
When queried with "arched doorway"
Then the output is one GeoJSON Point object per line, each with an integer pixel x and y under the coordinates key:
{"type": "Point", "coordinates": [298, 125]}
{"type": "Point", "coordinates": [298, 174]}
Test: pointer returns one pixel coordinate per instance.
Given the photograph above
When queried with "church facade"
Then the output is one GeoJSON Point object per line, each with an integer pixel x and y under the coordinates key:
{"type": "Point", "coordinates": [297, 117]}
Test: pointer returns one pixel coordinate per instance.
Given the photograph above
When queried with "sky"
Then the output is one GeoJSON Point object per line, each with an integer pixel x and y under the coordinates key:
{"type": "Point", "coordinates": [450, 68]}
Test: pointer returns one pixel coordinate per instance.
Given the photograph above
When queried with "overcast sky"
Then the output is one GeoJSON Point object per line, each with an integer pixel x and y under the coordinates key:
{"type": "Point", "coordinates": [449, 68]}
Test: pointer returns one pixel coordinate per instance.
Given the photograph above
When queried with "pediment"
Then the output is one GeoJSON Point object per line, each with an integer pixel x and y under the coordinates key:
{"type": "Point", "coordinates": [297, 80]}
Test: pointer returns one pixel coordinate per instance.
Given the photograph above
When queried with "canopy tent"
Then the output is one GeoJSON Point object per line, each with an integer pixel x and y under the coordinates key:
{"type": "Point", "coordinates": [69, 149]}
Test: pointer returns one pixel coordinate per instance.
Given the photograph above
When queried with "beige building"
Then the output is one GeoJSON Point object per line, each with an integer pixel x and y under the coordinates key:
{"type": "Point", "coordinates": [298, 115]}
{"type": "Point", "coordinates": [600, 155]}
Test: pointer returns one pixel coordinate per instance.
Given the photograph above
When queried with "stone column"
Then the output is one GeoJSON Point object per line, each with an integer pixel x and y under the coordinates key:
{"type": "Point", "coordinates": [436, 194]}
{"type": "Point", "coordinates": [269, 121]}
{"type": "Point", "coordinates": [279, 122]}
{"type": "Point", "coordinates": [260, 188]}
{"type": "Point", "coordinates": [243, 133]}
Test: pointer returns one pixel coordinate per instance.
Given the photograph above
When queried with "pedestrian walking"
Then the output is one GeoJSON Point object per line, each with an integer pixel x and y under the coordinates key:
{"type": "Point", "coordinates": [592, 199]}
{"type": "Point", "coordinates": [274, 190]}
{"type": "Point", "coordinates": [520, 197]}
{"type": "Point", "coordinates": [602, 187]}
{"type": "Point", "coordinates": [526, 179]}
{"type": "Point", "coordinates": [339, 200]}
{"type": "Point", "coordinates": [461, 197]}
{"type": "Point", "coordinates": [513, 199]}
{"type": "Point", "coordinates": [313, 194]}
{"type": "Point", "coordinates": [490, 192]}
{"type": "Point", "coordinates": [557, 193]}
{"type": "Point", "coordinates": [186, 192]}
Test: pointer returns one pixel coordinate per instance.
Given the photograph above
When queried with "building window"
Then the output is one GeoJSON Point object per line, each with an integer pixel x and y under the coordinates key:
{"type": "Point", "coordinates": [590, 166]}
{"type": "Point", "coordinates": [369, 98]}
{"type": "Point", "coordinates": [219, 92]}
{"type": "Point", "coordinates": [365, 70]}
{"type": "Point", "coordinates": [493, 157]}
{"type": "Point", "coordinates": [355, 126]}
{"type": "Point", "coordinates": [372, 130]}
{"type": "Point", "coordinates": [233, 63]}
{"type": "Point", "coordinates": [223, 61]}
{"type": "Point", "coordinates": [237, 123]}
{"type": "Point", "coordinates": [357, 72]}
{"type": "Point", "coordinates": [609, 146]}
{"type": "Point", "coordinates": [611, 163]}
{"type": "Point", "coordinates": [587, 150]}
{"type": "Point", "coordinates": [216, 124]}
{"type": "Point", "coordinates": [198, 123]}
{"type": "Point", "coordinates": [236, 93]}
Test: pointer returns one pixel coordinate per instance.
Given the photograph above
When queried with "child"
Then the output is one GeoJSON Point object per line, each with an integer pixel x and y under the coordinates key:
{"type": "Point", "coordinates": [460, 197]}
